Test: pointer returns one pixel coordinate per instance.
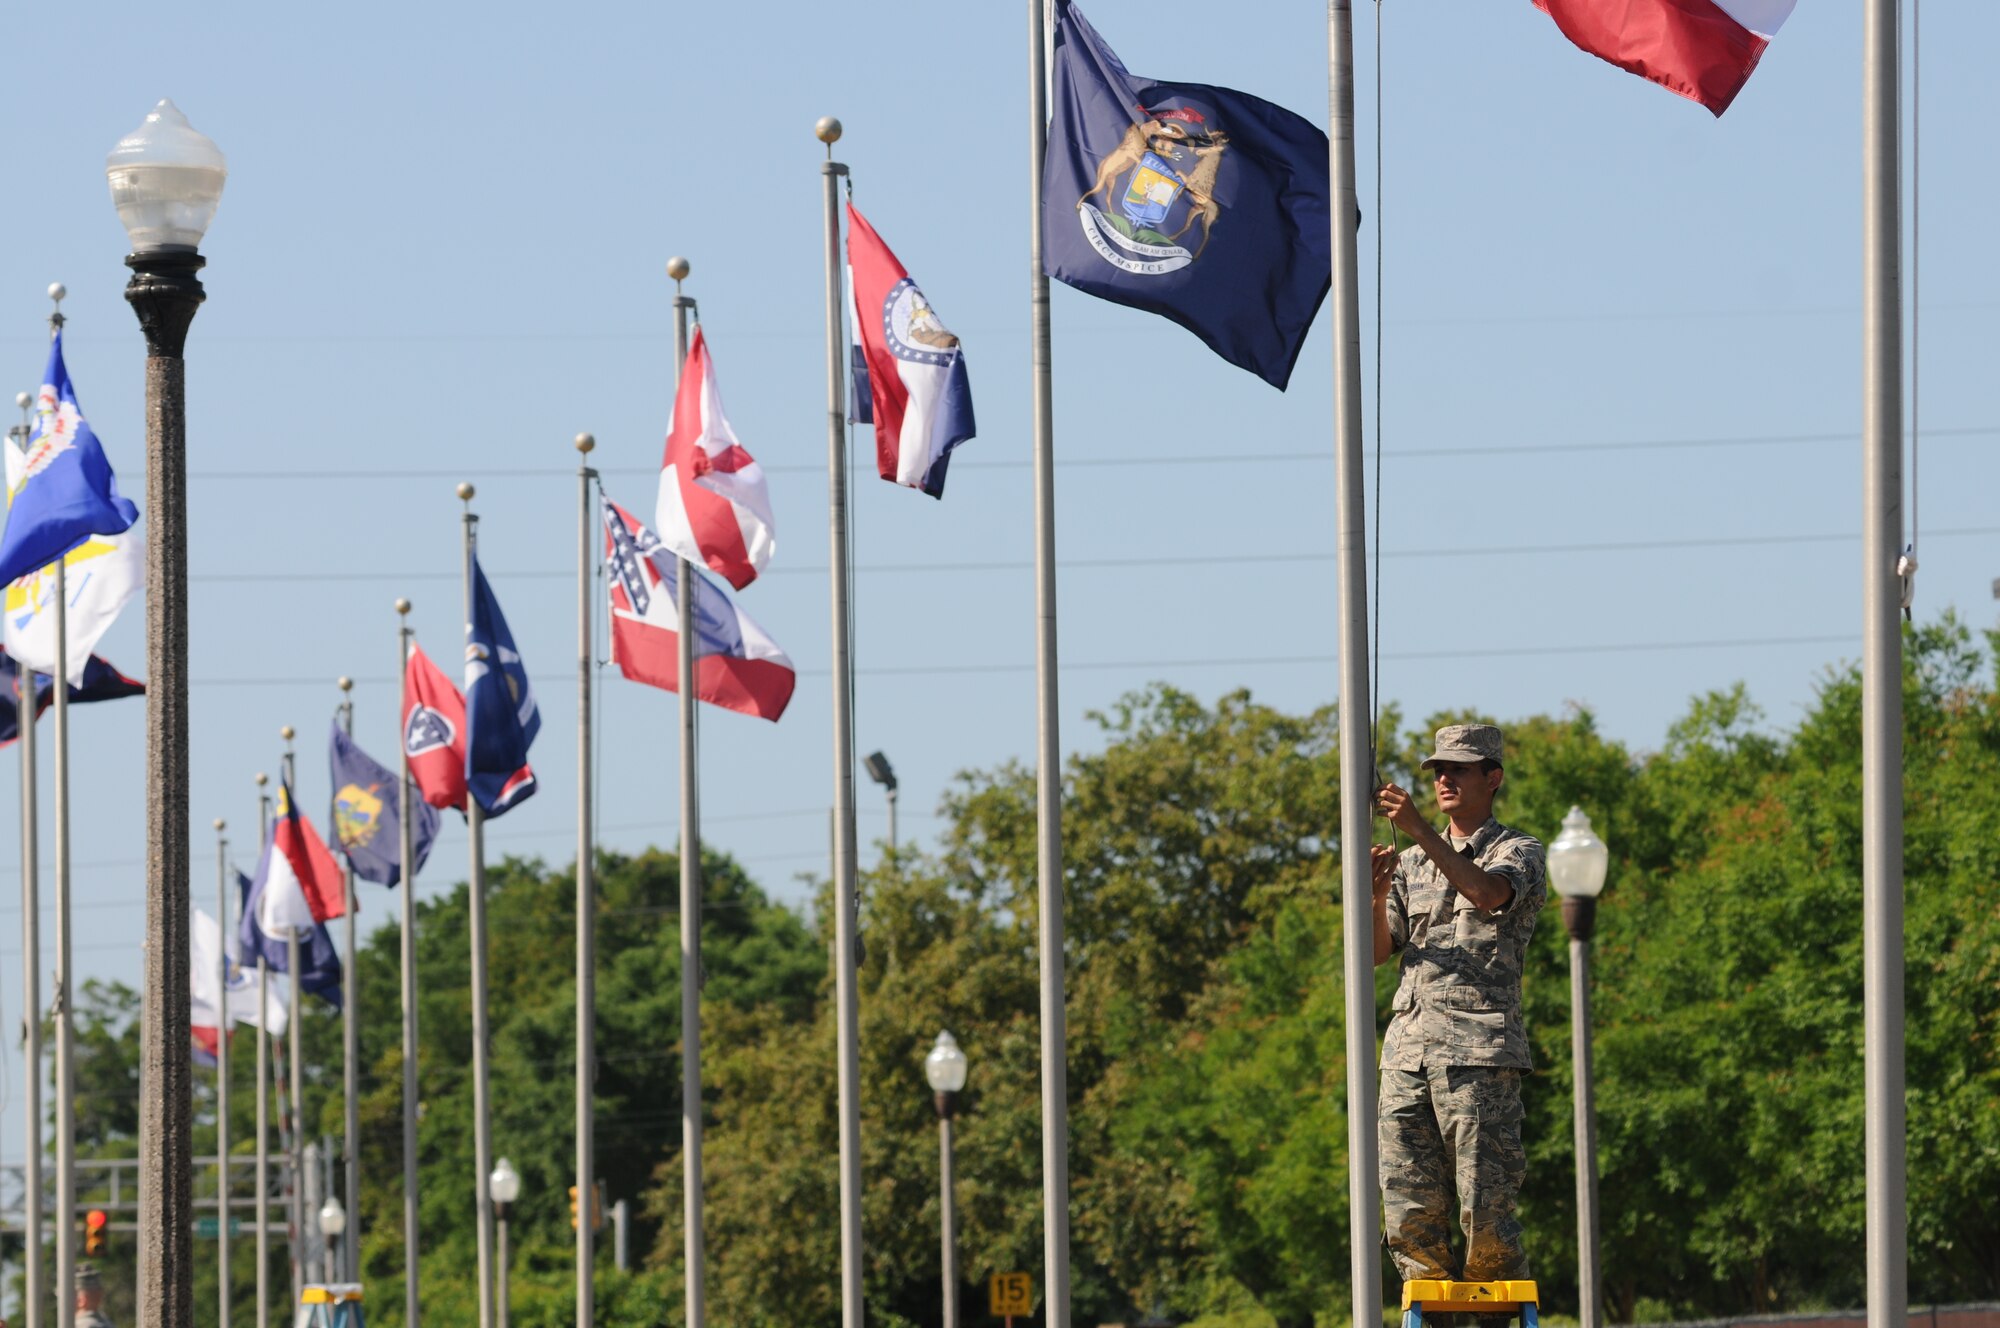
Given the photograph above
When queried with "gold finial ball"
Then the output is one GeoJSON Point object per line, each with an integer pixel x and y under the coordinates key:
{"type": "Point", "coordinates": [58, 292]}
{"type": "Point", "coordinates": [827, 130]}
{"type": "Point", "coordinates": [585, 442]}
{"type": "Point", "coordinates": [344, 683]}
{"type": "Point", "coordinates": [262, 779]}
{"type": "Point", "coordinates": [465, 492]}
{"type": "Point", "coordinates": [219, 825]}
{"type": "Point", "coordinates": [678, 268]}
{"type": "Point", "coordinates": [287, 733]}
{"type": "Point", "coordinates": [402, 605]}
{"type": "Point", "coordinates": [24, 399]}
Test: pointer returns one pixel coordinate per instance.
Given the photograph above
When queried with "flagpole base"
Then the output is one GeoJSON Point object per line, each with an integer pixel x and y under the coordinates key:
{"type": "Point", "coordinates": [165, 293]}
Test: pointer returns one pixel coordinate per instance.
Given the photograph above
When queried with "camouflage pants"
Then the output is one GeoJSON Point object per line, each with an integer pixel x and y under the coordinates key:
{"type": "Point", "coordinates": [1446, 1127]}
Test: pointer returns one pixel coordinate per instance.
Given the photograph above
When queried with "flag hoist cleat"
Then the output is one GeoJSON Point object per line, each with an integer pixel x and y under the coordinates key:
{"type": "Point", "coordinates": [1483, 1298]}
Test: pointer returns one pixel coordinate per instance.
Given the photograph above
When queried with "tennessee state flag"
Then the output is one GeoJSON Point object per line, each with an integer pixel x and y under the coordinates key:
{"type": "Point", "coordinates": [434, 731]}
{"type": "Point", "coordinates": [909, 371]}
{"type": "Point", "coordinates": [714, 507]}
{"type": "Point", "coordinates": [736, 666]}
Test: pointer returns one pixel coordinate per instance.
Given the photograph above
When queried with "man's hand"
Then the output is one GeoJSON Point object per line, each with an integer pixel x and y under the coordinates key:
{"type": "Point", "coordinates": [1383, 862]}
{"type": "Point", "coordinates": [1400, 808]}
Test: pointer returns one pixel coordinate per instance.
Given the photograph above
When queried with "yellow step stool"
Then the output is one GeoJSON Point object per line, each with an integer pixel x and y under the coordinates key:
{"type": "Point", "coordinates": [1424, 1296]}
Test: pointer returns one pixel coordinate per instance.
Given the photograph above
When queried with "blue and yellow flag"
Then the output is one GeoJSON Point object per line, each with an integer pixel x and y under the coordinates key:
{"type": "Point", "coordinates": [366, 808]}
{"type": "Point", "coordinates": [62, 491]}
{"type": "Point", "coordinates": [1201, 204]}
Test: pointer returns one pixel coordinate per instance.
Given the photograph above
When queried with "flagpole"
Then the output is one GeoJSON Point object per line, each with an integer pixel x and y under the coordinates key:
{"type": "Point", "coordinates": [31, 1004]}
{"type": "Point", "coordinates": [1048, 749]}
{"type": "Point", "coordinates": [263, 1196]}
{"type": "Point", "coordinates": [1356, 760]}
{"type": "Point", "coordinates": [295, 1031]}
{"type": "Point", "coordinates": [482, 1121]}
{"type": "Point", "coordinates": [695, 1247]}
{"type": "Point", "coordinates": [844, 900]}
{"type": "Point", "coordinates": [223, 1022]}
{"type": "Point", "coordinates": [586, 907]}
{"type": "Point", "coordinates": [1885, 1145]}
{"type": "Point", "coordinates": [349, 1262]}
{"type": "Point", "coordinates": [408, 953]}
{"type": "Point", "coordinates": [65, 984]}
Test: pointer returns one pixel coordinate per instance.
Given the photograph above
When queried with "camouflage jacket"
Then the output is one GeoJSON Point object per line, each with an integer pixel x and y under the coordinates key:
{"type": "Point", "coordinates": [1459, 1001]}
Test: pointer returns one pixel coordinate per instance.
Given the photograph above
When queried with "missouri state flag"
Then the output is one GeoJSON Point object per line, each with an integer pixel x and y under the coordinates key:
{"type": "Point", "coordinates": [909, 370]}
{"type": "Point", "coordinates": [1204, 205]}
{"type": "Point", "coordinates": [62, 490]}
{"type": "Point", "coordinates": [736, 666]}
{"type": "Point", "coordinates": [714, 506]}
{"type": "Point", "coordinates": [1704, 50]}
{"type": "Point", "coordinates": [433, 731]}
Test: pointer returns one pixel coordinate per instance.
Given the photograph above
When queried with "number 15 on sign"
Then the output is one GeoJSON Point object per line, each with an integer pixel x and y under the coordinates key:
{"type": "Point", "coordinates": [1011, 1296]}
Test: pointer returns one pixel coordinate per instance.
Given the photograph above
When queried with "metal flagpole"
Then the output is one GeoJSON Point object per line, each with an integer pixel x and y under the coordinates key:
{"type": "Point", "coordinates": [1048, 739]}
{"type": "Point", "coordinates": [482, 1120]}
{"type": "Point", "coordinates": [223, 1189]}
{"type": "Point", "coordinates": [844, 846]}
{"type": "Point", "coordinates": [31, 971]}
{"type": "Point", "coordinates": [348, 1260]}
{"type": "Point", "coordinates": [1882, 668]}
{"type": "Point", "coordinates": [263, 1195]}
{"type": "Point", "coordinates": [295, 1033]}
{"type": "Point", "coordinates": [696, 1246]}
{"type": "Point", "coordinates": [65, 985]}
{"type": "Point", "coordinates": [1356, 760]}
{"type": "Point", "coordinates": [408, 946]}
{"type": "Point", "coordinates": [586, 905]}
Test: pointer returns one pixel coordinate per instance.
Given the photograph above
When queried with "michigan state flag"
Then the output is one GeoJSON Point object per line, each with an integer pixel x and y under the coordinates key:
{"type": "Point", "coordinates": [1202, 204]}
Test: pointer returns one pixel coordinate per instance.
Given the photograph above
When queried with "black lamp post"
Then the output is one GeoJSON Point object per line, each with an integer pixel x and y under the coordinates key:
{"type": "Point", "coordinates": [882, 773]}
{"type": "Point", "coordinates": [166, 179]}
{"type": "Point", "coordinates": [945, 1070]}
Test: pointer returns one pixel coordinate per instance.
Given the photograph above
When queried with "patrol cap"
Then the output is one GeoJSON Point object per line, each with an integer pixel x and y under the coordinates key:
{"type": "Point", "coordinates": [1466, 744]}
{"type": "Point", "coordinates": [88, 1278]}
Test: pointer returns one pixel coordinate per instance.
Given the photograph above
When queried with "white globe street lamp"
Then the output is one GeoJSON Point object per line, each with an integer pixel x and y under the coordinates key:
{"type": "Point", "coordinates": [332, 1219]}
{"type": "Point", "coordinates": [1578, 861]}
{"type": "Point", "coordinates": [503, 1187]}
{"type": "Point", "coordinates": [944, 1070]}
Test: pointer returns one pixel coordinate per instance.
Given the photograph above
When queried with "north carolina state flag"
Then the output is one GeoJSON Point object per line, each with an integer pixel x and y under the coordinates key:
{"type": "Point", "coordinates": [434, 732]}
{"type": "Point", "coordinates": [714, 507]}
{"type": "Point", "coordinates": [1704, 50]}
{"type": "Point", "coordinates": [300, 861]}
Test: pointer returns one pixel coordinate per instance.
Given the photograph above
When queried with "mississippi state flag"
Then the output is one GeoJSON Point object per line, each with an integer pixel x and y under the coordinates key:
{"type": "Point", "coordinates": [714, 508]}
{"type": "Point", "coordinates": [909, 372]}
{"type": "Point", "coordinates": [736, 666]}
{"type": "Point", "coordinates": [433, 731]}
{"type": "Point", "coordinates": [1705, 50]}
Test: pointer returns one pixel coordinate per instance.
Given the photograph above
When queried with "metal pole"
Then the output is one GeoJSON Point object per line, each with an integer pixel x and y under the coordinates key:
{"type": "Point", "coordinates": [1048, 737]}
{"type": "Point", "coordinates": [263, 1091]}
{"type": "Point", "coordinates": [1581, 915]}
{"type": "Point", "coordinates": [500, 1291]}
{"type": "Point", "coordinates": [223, 1189]}
{"type": "Point", "coordinates": [1882, 670]}
{"type": "Point", "coordinates": [164, 292]}
{"type": "Point", "coordinates": [295, 1061]}
{"type": "Point", "coordinates": [586, 899]}
{"type": "Point", "coordinates": [482, 1120]}
{"type": "Point", "coordinates": [949, 1222]}
{"type": "Point", "coordinates": [408, 951]}
{"type": "Point", "coordinates": [33, 1288]}
{"type": "Point", "coordinates": [1356, 760]}
{"type": "Point", "coordinates": [65, 1078]}
{"type": "Point", "coordinates": [892, 822]}
{"type": "Point", "coordinates": [845, 902]}
{"type": "Point", "coordinates": [345, 1265]}
{"type": "Point", "coordinates": [620, 1225]}
{"type": "Point", "coordinates": [263, 1195]}
{"type": "Point", "coordinates": [695, 1248]}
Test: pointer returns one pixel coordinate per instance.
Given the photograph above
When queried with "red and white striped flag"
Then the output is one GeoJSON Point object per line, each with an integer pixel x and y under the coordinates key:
{"type": "Point", "coordinates": [714, 508]}
{"type": "Point", "coordinates": [1705, 50]}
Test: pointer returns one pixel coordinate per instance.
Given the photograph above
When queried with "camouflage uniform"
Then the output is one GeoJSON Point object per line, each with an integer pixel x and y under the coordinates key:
{"type": "Point", "coordinates": [88, 1279]}
{"type": "Point", "coordinates": [1449, 1116]}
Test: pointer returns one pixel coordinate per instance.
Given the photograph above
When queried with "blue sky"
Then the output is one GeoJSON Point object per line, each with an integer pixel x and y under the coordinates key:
{"type": "Point", "coordinates": [1620, 384]}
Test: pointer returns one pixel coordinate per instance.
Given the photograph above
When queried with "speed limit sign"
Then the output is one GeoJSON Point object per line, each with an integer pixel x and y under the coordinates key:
{"type": "Point", "coordinates": [1011, 1295]}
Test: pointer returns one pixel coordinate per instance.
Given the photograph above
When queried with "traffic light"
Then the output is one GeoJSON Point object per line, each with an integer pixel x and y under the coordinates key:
{"type": "Point", "coordinates": [94, 1223]}
{"type": "Point", "coordinates": [572, 1207]}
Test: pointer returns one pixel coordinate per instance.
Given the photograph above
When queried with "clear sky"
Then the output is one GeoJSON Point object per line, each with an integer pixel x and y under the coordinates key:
{"type": "Point", "coordinates": [1620, 385]}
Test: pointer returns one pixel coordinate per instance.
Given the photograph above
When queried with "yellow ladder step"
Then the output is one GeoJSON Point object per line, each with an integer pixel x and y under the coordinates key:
{"type": "Point", "coordinates": [1439, 1297]}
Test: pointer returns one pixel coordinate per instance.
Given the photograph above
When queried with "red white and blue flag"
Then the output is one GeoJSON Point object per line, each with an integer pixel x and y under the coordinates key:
{"type": "Point", "coordinates": [434, 732]}
{"type": "Point", "coordinates": [1705, 50]}
{"type": "Point", "coordinates": [736, 666]}
{"type": "Point", "coordinates": [909, 371]}
{"type": "Point", "coordinates": [714, 507]}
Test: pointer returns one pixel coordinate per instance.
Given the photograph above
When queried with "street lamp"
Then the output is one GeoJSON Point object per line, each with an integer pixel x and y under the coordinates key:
{"type": "Point", "coordinates": [504, 1185]}
{"type": "Point", "coordinates": [879, 770]}
{"type": "Point", "coordinates": [166, 180]}
{"type": "Point", "coordinates": [1577, 863]}
{"type": "Point", "coordinates": [945, 1069]}
{"type": "Point", "coordinates": [332, 1225]}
